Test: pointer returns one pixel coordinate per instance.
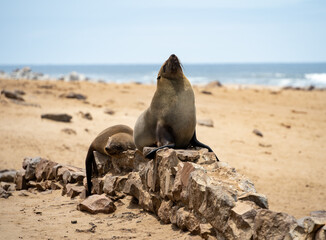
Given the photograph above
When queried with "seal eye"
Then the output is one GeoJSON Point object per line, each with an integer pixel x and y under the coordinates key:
{"type": "Point", "coordinates": [159, 77]}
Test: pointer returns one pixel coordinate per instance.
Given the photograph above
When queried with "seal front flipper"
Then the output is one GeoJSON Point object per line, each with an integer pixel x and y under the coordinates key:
{"type": "Point", "coordinates": [195, 143]}
{"type": "Point", "coordinates": [164, 138]}
{"type": "Point", "coordinates": [152, 153]}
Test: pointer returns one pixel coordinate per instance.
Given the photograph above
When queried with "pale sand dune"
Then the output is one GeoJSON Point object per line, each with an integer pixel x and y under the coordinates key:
{"type": "Point", "coordinates": [287, 164]}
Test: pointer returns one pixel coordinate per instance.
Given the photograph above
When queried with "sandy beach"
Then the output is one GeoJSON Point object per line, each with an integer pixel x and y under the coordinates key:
{"type": "Point", "coordinates": [287, 163]}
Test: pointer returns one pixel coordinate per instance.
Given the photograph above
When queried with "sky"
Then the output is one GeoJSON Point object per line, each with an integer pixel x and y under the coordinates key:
{"type": "Point", "coordinates": [143, 31]}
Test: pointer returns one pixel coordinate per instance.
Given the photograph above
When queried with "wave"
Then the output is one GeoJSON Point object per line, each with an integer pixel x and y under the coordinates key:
{"type": "Point", "coordinates": [316, 77]}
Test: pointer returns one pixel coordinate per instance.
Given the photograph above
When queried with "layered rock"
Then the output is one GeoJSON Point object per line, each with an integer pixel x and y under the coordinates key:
{"type": "Point", "coordinates": [187, 188]}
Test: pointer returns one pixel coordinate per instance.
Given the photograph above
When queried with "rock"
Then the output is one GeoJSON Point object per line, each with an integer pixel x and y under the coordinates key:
{"type": "Point", "coordinates": [19, 92]}
{"type": "Point", "coordinates": [31, 184]}
{"type": "Point", "coordinates": [74, 174]}
{"type": "Point", "coordinates": [20, 180]}
{"type": "Point", "coordinates": [55, 186]}
{"type": "Point", "coordinates": [241, 222]}
{"type": "Point", "coordinates": [97, 185]}
{"type": "Point", "coordinates": [257, 198]}
{"type": "Point", "coordinates": [113, 184]}
{"type": "Point", "coordinates": [30, 165]}
{"type": "Point", "coordinates": [164, 212]}
{"type": "Point", "coordinates": [211, 201]}
{"type": "Point", "coordinates": [167, 161]}
{"type": "Point", "coordinates": [42, 186]}
{"type": "Point", "coordinates": [319, 214]}
{"type": "Point", "coordinates": [127, 161]}
{"type": "Point", "coordinates": [214, 84]}
{"type": "Point", "coordinates": [7, 175]}
{"type": "Point", "coordinates": [310, 225]}
{"type": "Point", "coordinates": [44, 171]}
{"type": "Point", "coordinates": [187, 221]}
{"type": "Point", "coordinates": [205, 122]}
{"type": "Point", "coordinates": [74, 76]}
{"type": "Point", "coordinates": [321, 234]}
{"type": "Point", "coordinates": [188, 155]}
{"type": "Point", "coordinates": [69, 131]}
{"type": "Point", "coordinates": [97, 204]}
{"type": "Point", "coordinates": [4, 194]}
{"type": "Point", "coordinates": [206, 230]}
{"type": "Point", "coordinates": [102, 163]}
{"type": "Point", "coordinates": [257, 132]}
{"type": "Point", "coordinates": [109, 111]}
{"type": "Point", "coordinates": [272, 225]}
{"type": "Point", "coordinates": [87, 115]}
{"type": "Point", "coordinates": [9, 187]}
{"type": "Point", "coordinates": [12, 95]}
{"type": "Point", "coordinates": [206, 92]}
{"type": "Point", "coordinates": [71, 176]}
{"type": "Point", "coordinates": [72, 190]}
{"type": "Point", "coordinates": [73, 95]}
{"type": "Point", "coordinates": [133, 186]}
{"type": "Point", "coordinates": [57, 117]}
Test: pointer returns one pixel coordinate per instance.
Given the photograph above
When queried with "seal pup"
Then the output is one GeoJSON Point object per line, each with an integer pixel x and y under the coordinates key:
{"type": "Point", "coordinates": [170, 120]}
{"type": "Point", "coordinates": [110, 141]}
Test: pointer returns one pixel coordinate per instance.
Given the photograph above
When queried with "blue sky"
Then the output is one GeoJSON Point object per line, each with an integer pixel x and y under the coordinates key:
{"type": "Point", "coordinates": [127, 31]}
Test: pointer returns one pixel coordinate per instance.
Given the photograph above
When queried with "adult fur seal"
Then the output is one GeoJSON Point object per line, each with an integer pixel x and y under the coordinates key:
{"type": "Point", "coordinates": [110, 141]}
{"type": "Point", "coordinates": [170, 120]}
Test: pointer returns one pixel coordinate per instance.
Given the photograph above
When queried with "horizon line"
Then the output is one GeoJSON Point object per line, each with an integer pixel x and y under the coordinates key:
{"type": "Point", "coordinates": [135, 64]}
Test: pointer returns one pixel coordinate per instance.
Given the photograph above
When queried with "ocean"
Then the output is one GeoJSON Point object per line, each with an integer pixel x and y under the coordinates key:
{"type": "Point", "coordinates": [283, 74]}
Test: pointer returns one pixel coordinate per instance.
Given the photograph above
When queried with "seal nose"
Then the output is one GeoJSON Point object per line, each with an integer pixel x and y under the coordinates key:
{"type": "Point", "coordinates": [173, 56]}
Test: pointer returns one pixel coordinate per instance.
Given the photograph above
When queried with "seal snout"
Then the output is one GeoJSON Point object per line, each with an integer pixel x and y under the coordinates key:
{"type": "Point", "coordinates": [173, 63]}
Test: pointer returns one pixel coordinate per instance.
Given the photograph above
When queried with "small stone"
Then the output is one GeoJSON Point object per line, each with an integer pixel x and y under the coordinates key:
{"type": "Point", "coordinates": [87, 115]}
{"type": "Point", "coordinates": [73, 221]}
{"type": "Point", "coordinates": [72, 190]}
{"type": "Point", "coordinates": [20, 180]}
{"type": "Point", "coordinates": [97, 204]}
{"type": "Point", "coordinates": [109, 111]}
{"type": "Point", "coordinates": [214, 84]}
{"type": "Point", "coordinates": [30, 165]}
{"type": "Point", "coordinates": [187, 221]}
{"type": "Point", "coordinates": [206, 92]}
{"type": "Point", "coordinates": [188, 155]}
{"type": "Point", "coordinates": [257, 132]}
{"type": "Point", "coordinates": [43, 170]}
{"type": "Point", "coordinates": [9, 187]}
{"type": "Point", "coordinates": [4, 194]}
{"type": "Point", "coordinates": [164, 212]}
{"type": "Point", "coordinates": [69, 131]}
{"type": "Point", "coordinates": [12, 95]}
{"type": "Point", "coordinates": [205, 122]}
{"type": "Point", "coordinates": [259, 199]}
{"type": "Point", "coordinates": [55, 186]}
{"type": "Point", "coordinates": [272, 225]}
{"type": "Point", "coordinates": [7, 175]}
{"type": "Point", "coordinates": [73, 95]}
{"type": "Point", "coordinates": [319, 214]}
{"type": "Point", "coordinates": [57, 117]}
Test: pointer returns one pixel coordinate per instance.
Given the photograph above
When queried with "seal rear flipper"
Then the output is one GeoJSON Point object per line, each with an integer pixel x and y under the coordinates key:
{"type": "Point", "coordinates": [89, 163]}
{"type": "Point", "coordinates": [195, 143]}
{"type": "Point", "coordinates": [152, 153]}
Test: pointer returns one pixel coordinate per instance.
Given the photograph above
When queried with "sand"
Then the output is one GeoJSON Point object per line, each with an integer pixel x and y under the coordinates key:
{"type": "Point", "coordinates": [287, 164]}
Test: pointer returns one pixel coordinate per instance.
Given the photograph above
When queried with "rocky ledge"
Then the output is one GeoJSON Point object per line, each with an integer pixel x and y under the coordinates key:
{"type": "Point", "coordinates": [187, 188]}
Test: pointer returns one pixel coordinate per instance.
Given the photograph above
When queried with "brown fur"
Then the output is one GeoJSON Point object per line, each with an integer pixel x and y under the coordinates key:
{"type": "Point", "coordinates": [110, 141]}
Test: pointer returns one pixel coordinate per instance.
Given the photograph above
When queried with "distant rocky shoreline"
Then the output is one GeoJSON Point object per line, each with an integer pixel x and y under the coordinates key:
{"type": "Point", "coordinates": [27, 73]}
